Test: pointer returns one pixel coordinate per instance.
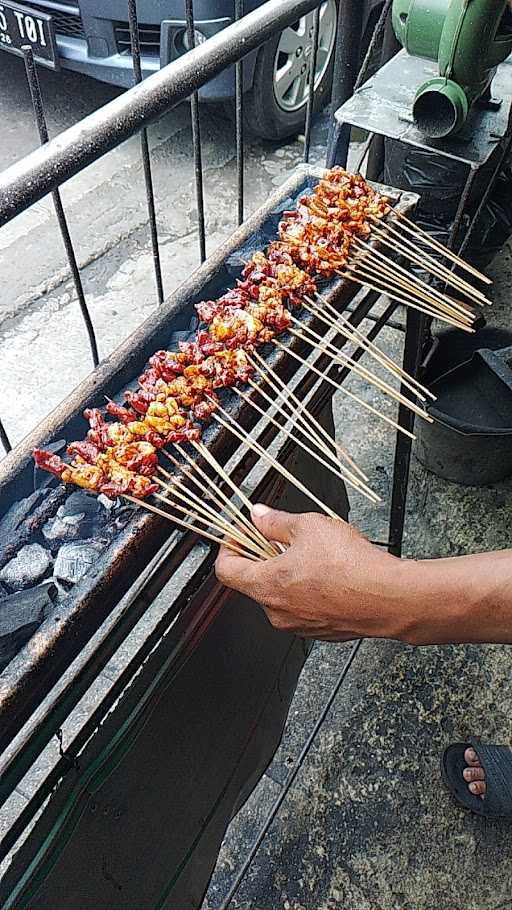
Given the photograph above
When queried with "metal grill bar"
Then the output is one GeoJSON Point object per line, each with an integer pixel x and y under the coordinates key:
{"type": "Point", "coordinates": [311, 92]}
{"type": "Point", "coordinates": [144, 145]}
{"type": "Point", "coordinates": [196, 137]}
{"type": "Point", "coordinates": [37, 102]}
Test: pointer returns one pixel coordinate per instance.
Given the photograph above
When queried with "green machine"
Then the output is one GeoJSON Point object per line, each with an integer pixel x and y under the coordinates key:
{"type": "Point", "coordinates": [468, 39]}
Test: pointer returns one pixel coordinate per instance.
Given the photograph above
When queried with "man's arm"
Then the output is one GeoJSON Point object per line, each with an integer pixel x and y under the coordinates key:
{"type": "Point", "coordinates": [332, 584]}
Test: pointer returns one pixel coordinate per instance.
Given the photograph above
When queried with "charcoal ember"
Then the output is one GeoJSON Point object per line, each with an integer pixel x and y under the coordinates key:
{"type": "Point", "coordinates": [36, 519]}
{"type": "Point", "coordinates": [75, 559]}
{"type": "Point", "coordinates": [67, 527]}
{"type": "Point", "coordinates": [21, 614]}
{"type": "Point", "coordinates": [82, 515]}
{"type": "Point", "coordinates": [27, 568]}
{"type": "Point", "coordinates": [17, 514]}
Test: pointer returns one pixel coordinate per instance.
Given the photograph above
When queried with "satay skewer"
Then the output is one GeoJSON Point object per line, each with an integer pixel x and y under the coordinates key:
{"type": "Point", "coordinates": [282, 390]}
{"type": "Point", "coordinates": [433, 265]}
{"type": "Point", "coordinates": [387, 291]}
{"type": "Point", "coordinates": [303, 425]}
{"type": "Point", "coordinates": [346, 392]}
{"type": "Point", "coordinates": [231, 425]}
{"type": "Point", "coordinates": [360, 339]}
{"type": "Point", "coordinates": [424, 237]}
{"type": "Point", "coordinates": [444, 302]}
{"type": "Point", "coordinates": [200, 447]}
{"type": "Point", "coordinates": [206, 516]}
{"type": "Point", "coordinates": [334, 324]}
{"type": "Point", "coordinates": [190, 527]}
{"type": "Point", "coordinates": [217, 495]}
{"type": "Point", "coordinates": [208, 522]}
{"type": "Point", "coordinates": [337, 473]}
{"type": "Point", "coordinates": [325, 347]}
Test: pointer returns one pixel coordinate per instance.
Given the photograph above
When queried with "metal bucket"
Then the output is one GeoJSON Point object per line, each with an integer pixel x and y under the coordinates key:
{"type": "Point", "coordinates": [471, 440]}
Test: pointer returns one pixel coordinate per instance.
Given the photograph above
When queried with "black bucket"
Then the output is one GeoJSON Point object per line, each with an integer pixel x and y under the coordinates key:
{"type": "Point", "coordinates": [470, 441]}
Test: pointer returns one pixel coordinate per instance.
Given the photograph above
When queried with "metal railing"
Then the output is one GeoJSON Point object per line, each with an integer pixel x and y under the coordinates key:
{"type": "Point", "coordinates": [57, 160]}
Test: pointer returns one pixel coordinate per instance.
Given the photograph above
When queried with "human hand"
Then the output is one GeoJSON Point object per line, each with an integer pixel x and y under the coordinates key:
{"type": "Point", "coordinates": [329, 584]}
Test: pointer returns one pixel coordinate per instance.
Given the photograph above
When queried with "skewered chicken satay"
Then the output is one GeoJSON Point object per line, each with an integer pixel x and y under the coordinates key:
{"type": "Point", "coordinates": [104, 476]}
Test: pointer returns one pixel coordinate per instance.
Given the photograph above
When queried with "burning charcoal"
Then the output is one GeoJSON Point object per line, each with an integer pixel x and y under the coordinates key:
{"type": "Point", "coordinates": [75, 559]}
{"type": "Point", "coordinates": [27, 568]}
{"type": "Point", "coordinates": [21, 614]}
{"type": "Point", "coordinates": [79, 502]}
{"type": "Point", "coordinates": [17, 514]}
{"type": "Point", "coordinates": [67, 528]}
{"type": "Point", "coordinates": [107, 503]}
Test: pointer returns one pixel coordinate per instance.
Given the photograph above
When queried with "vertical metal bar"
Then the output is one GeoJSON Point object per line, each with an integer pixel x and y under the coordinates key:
{"type": "Point", "coordinates": [415, 333]}
{"type": "Point", "coordinates": [239, 121]}
{"type": "Point", "coordinates": [37, 103]}
{"type": "Point", "coordinates": [196, 136]}
{"type": "Point", "coordinates": [390, 47]}
{"type": "Point", "coordinates": [144, 144]}
{"type": "Point", "coordinates": [311, 87]}
{"type": "Point", "coordinates": [346, 67]}
{"type": "Point", "coordinates": [4, 439]}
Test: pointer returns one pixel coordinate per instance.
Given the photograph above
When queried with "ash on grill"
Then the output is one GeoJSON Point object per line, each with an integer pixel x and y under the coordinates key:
{"type": "Point", "coordinates": [67, 532]}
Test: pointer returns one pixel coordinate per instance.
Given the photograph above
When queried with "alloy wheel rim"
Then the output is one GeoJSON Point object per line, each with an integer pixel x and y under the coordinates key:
{"type": "Point", "coordinates": [292, 59]}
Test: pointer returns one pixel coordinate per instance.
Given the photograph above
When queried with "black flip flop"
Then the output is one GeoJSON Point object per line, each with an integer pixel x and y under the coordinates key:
{"type": "Point", "coordinates": [497, 764]}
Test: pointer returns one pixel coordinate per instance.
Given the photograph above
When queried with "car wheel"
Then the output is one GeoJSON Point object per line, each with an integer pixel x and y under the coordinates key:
{"type": "Point", "coordinates": [275, 108]}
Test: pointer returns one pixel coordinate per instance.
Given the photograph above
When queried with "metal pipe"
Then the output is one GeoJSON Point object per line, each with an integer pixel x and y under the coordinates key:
{"type": "Point", "coordinates": [43, 170]}
{"type": "Point", "coordinates": [144, 146]}
{"type": "Point", "coordinates": [4, 439]}
{"type": "Point", "coordinates": [37, 103]}
{"type": "Point", "coordinates": [196, 137]}
{"type": "Point", "coordinates": [239, 121]}
{"type": "Point", "coordinates": [346, 68]}
{"type": "Point", "coordinates": [311, 91]}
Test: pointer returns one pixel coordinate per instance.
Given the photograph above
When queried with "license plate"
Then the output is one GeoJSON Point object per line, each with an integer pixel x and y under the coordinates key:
{"type": "Point", "coordinates": [19, 26]}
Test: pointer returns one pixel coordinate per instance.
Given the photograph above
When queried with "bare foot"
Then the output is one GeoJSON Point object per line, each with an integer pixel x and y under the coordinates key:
{"type": "Point", "coordinates": [474, 774]}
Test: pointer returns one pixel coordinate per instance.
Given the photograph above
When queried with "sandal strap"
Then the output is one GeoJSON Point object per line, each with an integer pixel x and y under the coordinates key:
{"type": "Point", "coordinates": [497, 764]}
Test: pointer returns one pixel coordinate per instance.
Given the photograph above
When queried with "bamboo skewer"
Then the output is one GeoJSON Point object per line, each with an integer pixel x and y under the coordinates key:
{"type": "Point", "coordinates": [424, 237]}
{"type": "Point", "coordinates": [362, 341]}
{"type": "Point", "coordinates": [210, 518]}
{"type": "Point", "coordinates": [344, 360]}
{"type": "Point", "coordinates": [309, 426]}
{"type": "Point", "coordinates": [366, 265]}
{"type": "Point", "coordinates": [214, 493]}
{"type": "Point", "coordinates": [220, 470]}
{"type": "Point", "coordinates": [367, 283]}
{"type": "Point", "coordinates": [443, 301]}
{"type": "Point", "coordinates": [252, 444]}
{"type": "Point", "coordinates": [281, 389]}
{"type": "Point", "coordinates": [301, 423]}
{"type": "Point", "coordinates": [344, 391]}
{"type": "Point", "coordinates": [189, 527]}
{"type": "Point", "coordinates": [333, 324]}
{"type": "Point", "coordinates": [222, 528]}
{"type": "Point", "coordinates": [433, 265]}
{"type": "Point", "coordinates": [330, 467]}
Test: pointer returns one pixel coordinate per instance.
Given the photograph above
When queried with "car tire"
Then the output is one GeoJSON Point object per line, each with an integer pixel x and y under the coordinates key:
{"type": "Point", "coordinates": [263, 114]}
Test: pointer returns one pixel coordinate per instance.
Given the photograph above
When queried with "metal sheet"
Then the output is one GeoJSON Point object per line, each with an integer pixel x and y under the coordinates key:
{"type": "Point", "coordinates": [383, 105]}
